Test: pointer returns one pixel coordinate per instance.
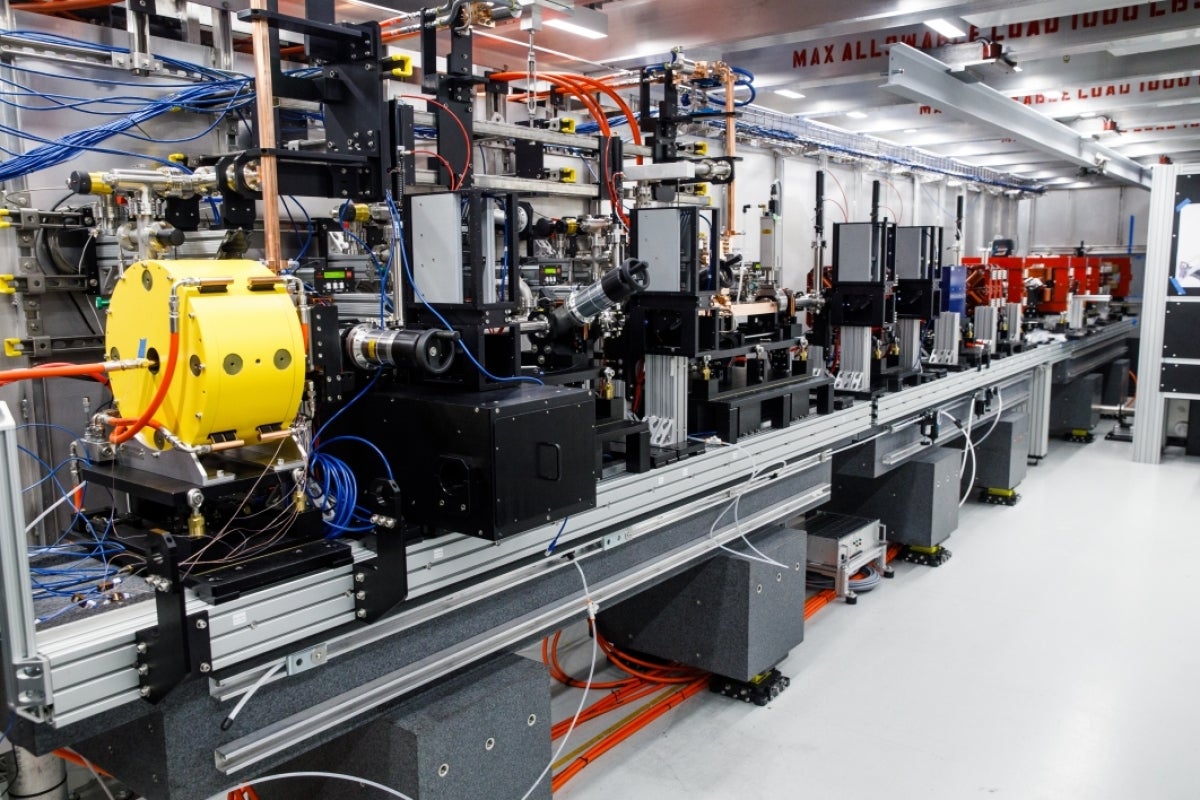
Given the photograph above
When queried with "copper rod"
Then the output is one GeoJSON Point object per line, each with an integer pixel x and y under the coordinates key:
{"type": "Point", "coordinates": [730, 79]}
{"type": "Point", "coordinates": [268, 175]}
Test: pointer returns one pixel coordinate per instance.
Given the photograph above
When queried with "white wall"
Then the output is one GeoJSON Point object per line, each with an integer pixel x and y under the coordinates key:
{"type": "Point", "coordinates": [908, 200]}
{"type": "Point", "coordinates": [1060, 220]}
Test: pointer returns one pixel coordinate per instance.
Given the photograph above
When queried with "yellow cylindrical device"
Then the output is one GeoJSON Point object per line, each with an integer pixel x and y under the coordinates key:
{"type": "Point", "coordinates": [241, 362]}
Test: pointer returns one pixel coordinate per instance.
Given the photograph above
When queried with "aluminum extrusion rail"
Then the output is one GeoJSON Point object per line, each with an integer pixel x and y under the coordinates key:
{"type": "Point", "coordinates": [284, 734]}
{"type": "Point", "coordinates": [891, 408]}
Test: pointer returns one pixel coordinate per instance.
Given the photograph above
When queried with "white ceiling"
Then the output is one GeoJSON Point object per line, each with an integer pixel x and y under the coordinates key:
{"type": "Point", "coordinates": [1083, 62]}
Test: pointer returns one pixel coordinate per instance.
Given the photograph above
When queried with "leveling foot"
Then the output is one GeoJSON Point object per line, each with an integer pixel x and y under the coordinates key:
{"type": "Point", "coordinates": [926, 556]}
{"type": "Point", "coordinates": [1000, 497]}
{"type": "Point", "coordinates": [760, 690]}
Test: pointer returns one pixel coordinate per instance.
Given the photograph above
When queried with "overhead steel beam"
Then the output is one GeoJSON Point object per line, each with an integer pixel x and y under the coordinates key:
{"type": "Point", "coordinates": [1053, 71]}
{"type": "Point", "coordinates": [1005, 159]}
{"type": "Point", "coordinates": [1028, 33]}
{"type": "Point", "coordinates": [1172, 149]}
{"type": "Point", "coordinates": [918, 77]}
{"type": "Point", "coordinates": [1167, 134]}
{"type": "Point", "coordinates": [1148, 115]}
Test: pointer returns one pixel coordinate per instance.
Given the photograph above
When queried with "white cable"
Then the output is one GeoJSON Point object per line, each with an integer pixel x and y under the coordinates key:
{"type": "Point", "coordinates": [967, 435]}
{"type": "Point", "coordinates": [592, 608]}
{"type": "Point", "coordinates": [853, 445]}
{"type": "Point", "coordinates": [92, 769]}
{"type": "Point", "coordinates": [337, 776]}
{"type": "Point", "coordinates": [258, 684]}
{"type": "Point", "coordinates": [735, 505]}
{"type": "Point", "coordinates": [56, 504]}
{"type": "Point", "coordinates": [970, 483]}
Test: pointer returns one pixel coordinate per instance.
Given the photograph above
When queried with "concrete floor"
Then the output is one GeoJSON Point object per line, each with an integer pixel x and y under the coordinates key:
{"type": "Point", "coordinates": [1055, 656]}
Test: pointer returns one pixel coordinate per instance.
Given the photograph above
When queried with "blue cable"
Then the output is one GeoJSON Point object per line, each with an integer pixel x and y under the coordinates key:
{"type": "Point", "coordinates": [101, 549]}
{"type": "Point", "coordinates": [417, 291]}
{"type": "Point", "coordinates": [307, 221]}
{"type": "Point", "coordinates": [554, 542]}
{"type": "Point", "coordinates": [360, 440]}
{"type": "Point", "coordinates": [353, 400]}
{"type": "Point", "coordinates": [216, 211]}
{"type": "Point", "coordinates": [52, 473]}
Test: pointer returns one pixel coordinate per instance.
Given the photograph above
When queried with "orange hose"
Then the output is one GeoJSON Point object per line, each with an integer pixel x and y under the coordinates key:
{"type": "Point", "coordinates": [58, 6]}
{"type": "Point", "coordinates": [54, 371]}
{"type": "Point", "coordinates": [445, 163]}
{"type": "Point", "coordinates": [593, 108]}
{"type": "Point", "coordinates": [563, 83]}
{"type": "Point", "coordinates": [620, 697]}
{"type": "Point", "coordinates": [462, 129]}
{"type": "Point", "coordinates": [124, 434]}
{"type": "Point", "coordinates": [627, 730]}
{"type": "Point", "coordinates": [79, 761]}
{"type": "Point", "coordinates": [620, 101]}
{"type": "Point", "coordinates": [604, 706]}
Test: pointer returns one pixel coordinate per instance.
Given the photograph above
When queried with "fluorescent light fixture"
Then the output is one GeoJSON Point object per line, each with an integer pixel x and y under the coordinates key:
{"type": "Point", "coordinates": [789, 93]}
{"type": "Point", "coordinates": [1087, 114]}
{"type": "Point", "coordinates": [584, 22]}
{"type": "Point", "coordinates": [856, 115]}
{"type": "Point", "coordinates": [945, 28]}
{"type": "Point", "coordinates": [910, 130]}
{"type": "Point", "coordinates": [391, 12]}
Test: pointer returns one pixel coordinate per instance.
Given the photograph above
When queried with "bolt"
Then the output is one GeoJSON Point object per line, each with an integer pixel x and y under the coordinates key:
{"type": "Point", "coordinates": [143, 669]}
{"type": "Point", "coordinates": [361, 613]}
{"type": "Point", "coordinates": [360, 595]}
{"type": "Point", "coordinates": [201, 625]}
{"type": "Point", "coordinates": [205, 667]}
{"type": "Point", "coordinates": [144, 691]}
{"type": "Point", "coordinates": [360, 577]}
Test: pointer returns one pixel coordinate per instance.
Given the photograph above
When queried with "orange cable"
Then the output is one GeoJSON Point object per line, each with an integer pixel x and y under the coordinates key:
{"type": "Point", "coordinates": [127, 433]}
{"type": "Point", "coordinates": [463, 128]}
{"type": "Point", "coordinates": [79, 761]}
{"type": "Point", "coordinates": [623, 733]}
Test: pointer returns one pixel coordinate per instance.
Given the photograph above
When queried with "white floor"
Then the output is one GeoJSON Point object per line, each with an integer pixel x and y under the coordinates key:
{"type": "Point", "coordinates": [1057, 655]}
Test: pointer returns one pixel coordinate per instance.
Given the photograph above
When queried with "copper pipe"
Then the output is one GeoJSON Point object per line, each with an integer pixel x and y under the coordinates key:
{"type": "Point", "coordinates": [268, 175]}
{"type": "Point", "coordinates": [729, 79]}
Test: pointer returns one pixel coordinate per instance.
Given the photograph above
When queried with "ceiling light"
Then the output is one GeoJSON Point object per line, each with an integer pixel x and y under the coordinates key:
{"type": "Point", "coordinates": [910, 130]}
{"type": "Point", "coordinates": [945, 28]}
{"type": "Point", "coordinates": [789, 93]}
{"type": "Point", "coordinates": [1087, 114]}
{"type": "Point", "coordinates": [856, 115]}
{"type": "Point", "coordinates": [584, 22]}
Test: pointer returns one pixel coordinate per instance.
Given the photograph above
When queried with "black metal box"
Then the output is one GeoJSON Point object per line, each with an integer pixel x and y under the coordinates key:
{"type": "Point", "coordinates": [1003, 457]}
{"type": "Point", "coordinates": [917, 501]}
{"type": "Point", "coordinates": [488, 464]}
{"type": "Point", "coordinates": [733, 616]}
{"type": "Point", "coordinates": [1073, 407]}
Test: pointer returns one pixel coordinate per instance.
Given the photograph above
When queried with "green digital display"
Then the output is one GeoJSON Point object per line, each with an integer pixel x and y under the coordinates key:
{"type": "Point", "coordinates": [334, 276]}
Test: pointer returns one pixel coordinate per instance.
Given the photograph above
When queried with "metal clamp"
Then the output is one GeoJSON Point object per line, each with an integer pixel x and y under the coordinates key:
{"type": "Point", "coordinates": [34, 689]}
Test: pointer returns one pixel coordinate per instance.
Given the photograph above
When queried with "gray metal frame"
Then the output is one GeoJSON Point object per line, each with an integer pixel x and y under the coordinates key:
{"type": "Point", "coordinates": [1149, 434]}
{"type": "Point", "coordinates": [26, 676]}
{"type": "Point", "coordinates": [91, 662]}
